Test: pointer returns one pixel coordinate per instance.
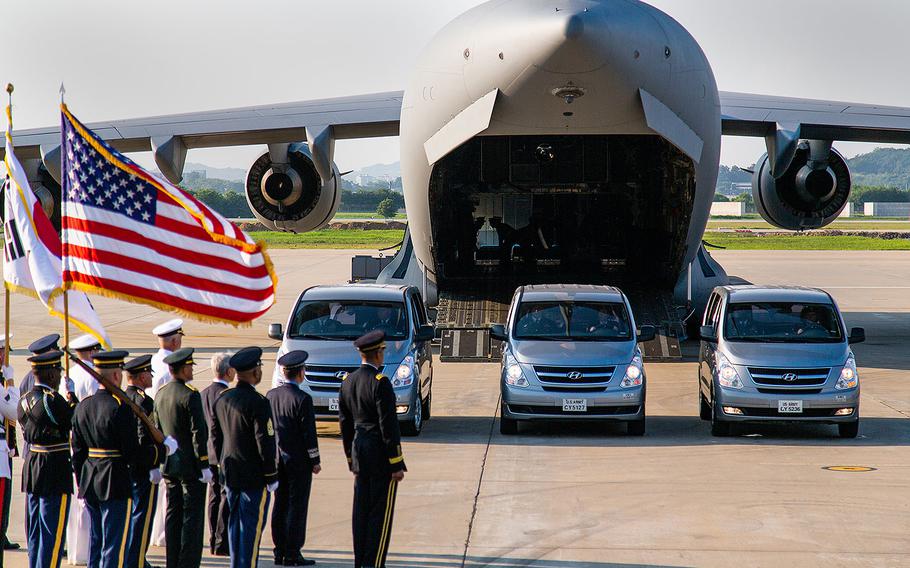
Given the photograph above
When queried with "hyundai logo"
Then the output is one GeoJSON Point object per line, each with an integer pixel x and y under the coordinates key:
{"type": "Point", "coordinates": [341, 375]}
{"type": "Point", "coordinates": [790, 377]}
{"type": "Point", "coordinates": [574, 376]}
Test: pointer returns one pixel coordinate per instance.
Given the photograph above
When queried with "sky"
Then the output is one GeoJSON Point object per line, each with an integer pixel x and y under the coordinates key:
{"type": "Point", "coordinates": [132, 59]}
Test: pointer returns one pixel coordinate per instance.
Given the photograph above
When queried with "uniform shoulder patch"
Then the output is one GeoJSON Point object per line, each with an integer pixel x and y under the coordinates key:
{"type": "Point", "coordinates": [191, 387]}
{"type": "Point", "coordinates": [380, 376]}
{"type": "Point", "coordinates": [270, 430]}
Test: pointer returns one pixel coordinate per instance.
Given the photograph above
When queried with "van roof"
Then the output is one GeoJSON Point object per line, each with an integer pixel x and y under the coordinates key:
{"type": "Point", "coordinates": [386, 292]}
{"type": "Point", "coordinates": [571, 292]}
{"type": "Point", "coordinates": [753, 293]}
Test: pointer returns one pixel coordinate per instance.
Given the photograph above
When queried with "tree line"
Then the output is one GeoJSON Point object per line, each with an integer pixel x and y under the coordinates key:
{"type": "Point", "coordinates": [233, 205]}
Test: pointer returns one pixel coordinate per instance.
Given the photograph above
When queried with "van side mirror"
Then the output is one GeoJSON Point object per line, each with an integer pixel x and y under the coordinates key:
{"type": "Point", "coordinates": [708, 333]}
{"type": "Point", "coordinates": [646, 333]}
{"type": "Point", "coordinates": [276, 332]}
{"type": "Point", "coordinates": [432, 314]}
{"type": "Point", "coordinates": [857, 335]}
{"type": "Point", "coordinates": [425, 333]}
{"type": "Point", "coordinates": [498, 332]}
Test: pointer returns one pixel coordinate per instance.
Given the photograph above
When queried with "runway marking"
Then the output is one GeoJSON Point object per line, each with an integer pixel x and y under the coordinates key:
{"type": "Point", "coordinates": [850, 468]}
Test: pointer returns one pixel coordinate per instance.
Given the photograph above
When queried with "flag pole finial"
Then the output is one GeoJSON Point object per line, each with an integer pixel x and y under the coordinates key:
{"type": "Point", "coordinates": [9, 107]}
{"type": "Point", "coordinates": [62, 92]}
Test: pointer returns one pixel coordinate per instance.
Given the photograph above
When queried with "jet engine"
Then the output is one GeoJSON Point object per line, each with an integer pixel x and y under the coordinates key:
{"type": "Point", "coordinates": [292, 196]}
{"type": "Point", "coordinates": [810, 194]}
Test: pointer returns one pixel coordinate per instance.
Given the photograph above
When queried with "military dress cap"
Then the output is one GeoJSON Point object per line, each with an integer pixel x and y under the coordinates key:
{"type": "Point", "coordinates": [180, 357]}
{"type": "Point", "coordinates": [4, 339]}
{"type": "Point", "coordinates": [46, 360]}
{"type": "Point", "coordinates": [169, 328]}
{"type": "Point", "coordinates": [46, 343]}
{"type": "Point", "coordinates": [84, 343]}
{"type": "Point", "coordinates": [246, 359]}
{"type": "Point", "coordinates": [138, 364]}
{"type": "Point", "coordinates": [110, 359]}
{"type": "Point", "coordinates": [370, 341]}
{"type": "Point", "coordinates": [293, 360]}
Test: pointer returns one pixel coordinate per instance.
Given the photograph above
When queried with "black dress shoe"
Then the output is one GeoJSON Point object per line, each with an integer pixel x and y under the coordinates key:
{"type": "Point", "coordinates": [298, 561]}
{"type": "Point", "coordinates": [279, 561]}
{"type": "Point", "coordinates": [11, 545]}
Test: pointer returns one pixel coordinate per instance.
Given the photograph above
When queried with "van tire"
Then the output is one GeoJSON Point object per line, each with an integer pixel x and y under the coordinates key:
{"type": "Point", "coordinates": [848, 429]}
{"type": "Point", "coordinates": [718, 428]}
{"type": "Point", "coordinates": [507, 426]}
{"type": "Point", "coordinates": [704, 409]}
{"type": "Point", "coordinates": [427, 406]}
{"type": "Point", "coordinates": [635, 427]}
{"type": "Point", "coordinates": [414, 426]}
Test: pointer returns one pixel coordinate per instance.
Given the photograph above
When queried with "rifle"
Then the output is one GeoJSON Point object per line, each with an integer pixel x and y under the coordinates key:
{"type": "Point", "coordinates": [155, 433]}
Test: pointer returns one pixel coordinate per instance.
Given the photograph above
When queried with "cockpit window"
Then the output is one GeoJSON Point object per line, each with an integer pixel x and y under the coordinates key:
{"type": "Point", "coordinates": [348, 319]}
{"type": "Point", "coordinates": [575, 321]}
{"type": "Point", "coordinates": [782, 322]}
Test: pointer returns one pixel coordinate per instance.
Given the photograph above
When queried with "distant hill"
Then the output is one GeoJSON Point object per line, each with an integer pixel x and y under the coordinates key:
{"type": "Point", "coordinates": [888, 167]}
{"type": "Point", "coordinates": [379, 170]}
{"type": "Point", "coordinates": [230, 174]}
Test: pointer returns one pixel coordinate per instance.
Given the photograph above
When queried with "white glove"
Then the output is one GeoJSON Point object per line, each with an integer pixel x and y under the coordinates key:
{"type": "Point", "coordinates": [206, 476]}
{"type": "Point", "coordinates": [155, 475]}
{"type": "Point", "coordinates": [171, 444]}
{"type": "Point", "coordinates": [272, 486]}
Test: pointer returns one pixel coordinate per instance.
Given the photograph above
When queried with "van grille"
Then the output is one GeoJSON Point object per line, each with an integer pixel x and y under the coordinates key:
{"type": "Point", "coordinates": [325, 377]}
{"type": "Point", "coordinates": [775, 377]}
{"type": "Point", "coordinates": [565, 375]}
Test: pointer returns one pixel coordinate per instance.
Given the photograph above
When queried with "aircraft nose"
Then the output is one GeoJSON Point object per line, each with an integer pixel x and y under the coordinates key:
{"type": "Point", "coordinates": [580, 42]}
{"type": "Point", "coordinates": [573, 26]}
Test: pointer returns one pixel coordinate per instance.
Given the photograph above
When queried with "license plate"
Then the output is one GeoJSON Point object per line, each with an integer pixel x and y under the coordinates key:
{"type": "Point", "coordinates": [333, 405]}
{"type": "Point", "coordinates": [790, 406]}
{"type": "Point", "coordinates": [574, 405]}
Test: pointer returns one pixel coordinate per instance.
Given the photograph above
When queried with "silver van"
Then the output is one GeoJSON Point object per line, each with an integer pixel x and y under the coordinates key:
{"type": "Point", "coordinates": [571, 353]}
{"type": "Point", "coordinates": [777, 353]}
{"type": "Point", "coordinates": [325, 322]}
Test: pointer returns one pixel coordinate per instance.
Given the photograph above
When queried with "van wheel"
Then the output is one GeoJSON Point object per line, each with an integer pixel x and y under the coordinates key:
{"type": "Point", "coordinates": [413, 426]}
{"type": "Point", "coordinates": [426, 406]}
{"type": "Point", "coordinates": [848, 430]}
{"type": "Point", "coordinates": [507, 426]}
{"type": "Point", "coordinates": [704, 409]}
{"type": "Point", "coordinates": [718, 428]}
{"type": "Point", "coordinates": [636, 427]}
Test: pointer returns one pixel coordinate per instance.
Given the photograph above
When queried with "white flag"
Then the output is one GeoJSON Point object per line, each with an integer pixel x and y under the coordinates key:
{"type": "Point", "coordinates": [32, 263]}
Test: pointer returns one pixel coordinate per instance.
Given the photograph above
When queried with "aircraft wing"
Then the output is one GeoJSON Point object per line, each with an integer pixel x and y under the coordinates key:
{"type": "Point", "coordinates": [363, 116]}
{"type": "Point", "coordinates": [759, 115]}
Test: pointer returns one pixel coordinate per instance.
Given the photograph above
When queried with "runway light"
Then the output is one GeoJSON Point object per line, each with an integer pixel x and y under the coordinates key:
{"type": "Point", "coordinates": [844, 412]}
{"type": "Point", "coordinates": [732, 410]}
{"type": "Point", "coordinates": [401, 409]}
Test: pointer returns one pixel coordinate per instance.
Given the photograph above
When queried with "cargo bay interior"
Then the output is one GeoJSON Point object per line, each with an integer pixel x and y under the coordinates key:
{"type": "Point", "coordinates": [514, 210]}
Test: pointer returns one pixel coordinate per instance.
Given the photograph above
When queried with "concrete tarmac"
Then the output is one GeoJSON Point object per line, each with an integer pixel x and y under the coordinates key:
{"type": "Point", "coordinates": [572, 496]}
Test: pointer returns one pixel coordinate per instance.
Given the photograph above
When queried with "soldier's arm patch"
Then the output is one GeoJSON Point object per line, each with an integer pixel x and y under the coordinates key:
{"type": "Point", "coordinates": [380, 376]}
{"type": "Point", "coordinates": [270, 430]}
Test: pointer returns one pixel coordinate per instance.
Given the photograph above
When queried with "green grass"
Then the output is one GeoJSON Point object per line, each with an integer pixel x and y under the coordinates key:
{"type": "Point", "coordinates": [352, 215]}
{"type": "Point", "coordinates": [843, 225]}
{"type": "Point", "coordinates": [734, 241]}
{"type": "Point", "coordinates": [331, 239]}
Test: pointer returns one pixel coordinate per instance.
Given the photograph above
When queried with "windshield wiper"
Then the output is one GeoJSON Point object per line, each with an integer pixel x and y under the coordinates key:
{"type": "Point", "coordinates": [324, 337]}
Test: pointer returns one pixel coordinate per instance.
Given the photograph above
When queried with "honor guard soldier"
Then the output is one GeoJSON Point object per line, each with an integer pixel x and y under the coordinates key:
{"type": "Point", "coordinates": [84, 385]}
{"type": "Point", "coordinates": [218, 508]}
{"type": "Point", "coordinates": [9, 409]}
{"type": "Point", "coordinates": [298, 460]}
{"type": "Point", "coordinates": [46, 344]}
{"type": "Point", "coordinates": [105, 442]}
{"type": "Point", "coordinates": [178, 413]}
{"type": "Point", "coordinates": [46, 420]}
{"type": "Point", "coordinates": [170, 339]}
{"type": "Point", "coordinates": [244, 440]}
{"type": "Point", "coordinates": [372, 443]}
{"type": "Point", "coordinates": [146, 472]}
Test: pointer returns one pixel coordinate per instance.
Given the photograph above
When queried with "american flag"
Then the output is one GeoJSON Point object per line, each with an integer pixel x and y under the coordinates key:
{"type": "Point", "coordinates": [131, 235]}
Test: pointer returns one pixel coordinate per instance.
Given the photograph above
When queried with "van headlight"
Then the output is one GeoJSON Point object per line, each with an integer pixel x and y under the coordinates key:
{"type": "Point", "coordinates": [635, 374]}
{"type": "Point", "coordinates": [726, 374]}
{"type": "Point", "coordinates": [514, 376]}
{"type": "Point", "coordinates": [404, 375]}
{"type": "Point", "coordinates": [849, 378]}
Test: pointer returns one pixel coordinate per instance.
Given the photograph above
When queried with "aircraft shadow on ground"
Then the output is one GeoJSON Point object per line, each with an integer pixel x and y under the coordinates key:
{"type": "Point", "coordinates": [663, 431]}
{"type": "Point", "coordinates": [887, 339]}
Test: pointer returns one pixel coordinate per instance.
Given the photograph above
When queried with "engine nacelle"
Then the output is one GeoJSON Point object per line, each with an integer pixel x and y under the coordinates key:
{"type": "Point", "coordinates": [809, 195]}
{"type": "Point", "coordinates": [292, 197]}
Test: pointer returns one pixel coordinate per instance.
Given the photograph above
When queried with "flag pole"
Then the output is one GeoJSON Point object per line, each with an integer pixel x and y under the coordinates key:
{"type": "Point", "coordinates": [9, 426]}
{"type": "Point", "coordinates": [66, 299]}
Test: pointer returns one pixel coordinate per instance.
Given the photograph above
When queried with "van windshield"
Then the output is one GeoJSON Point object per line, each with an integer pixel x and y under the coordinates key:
{"type": "Point", "coordinates": [577, 321]}
{"type": "Point", "coordinates": [348, 319]}
{"type": "Point", "coordinates": [782, 322]}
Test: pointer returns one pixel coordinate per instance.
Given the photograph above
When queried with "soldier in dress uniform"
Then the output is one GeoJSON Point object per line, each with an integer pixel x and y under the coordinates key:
{"type": "Point", "coordinates": [170, 339]}
{"type": "Point", "coordinates": [82, 385]}
{"type": "Point", "coordinates": [105, 442]}
{"type": "Point", "coordinates": [298, 460]}
{"type": "Point", "coordinates": [218, 508]}
{"type": "Point", "coordinates": [244, 440]}
{"type": "Point", "coordinates": [146, 471]}
{"type": "Point", "coordinates": [45, 344]}
{"type": "Point", "coordinates": [9, 405]}
{"type": "Point", "coordinates": [46, 420]}
{"type": "Point", "coordinates": [372, 444]}
{"type": "Point", "coordinates": [178, 413]}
